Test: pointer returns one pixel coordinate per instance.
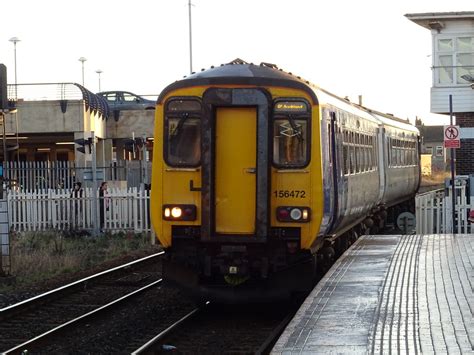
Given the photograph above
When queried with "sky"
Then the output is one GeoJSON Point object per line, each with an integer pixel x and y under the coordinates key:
{"type": "Point", "coordinates": [350, 48]}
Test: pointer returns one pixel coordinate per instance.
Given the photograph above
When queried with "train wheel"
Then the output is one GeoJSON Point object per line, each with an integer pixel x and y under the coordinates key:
{"type": "Point", "coordinates": [353, 236]}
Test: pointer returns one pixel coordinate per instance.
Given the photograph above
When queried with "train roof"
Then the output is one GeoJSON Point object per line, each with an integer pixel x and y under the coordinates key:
{"type": "Point", "coordinates": [389, 120]}
{"type": "Point", "coordinates": [240, 72]}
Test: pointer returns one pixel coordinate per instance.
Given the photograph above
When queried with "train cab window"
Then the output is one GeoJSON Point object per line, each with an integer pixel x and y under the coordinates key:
{"type": "Point", "coordinates": [183, 132]}
{"type": "Point", "coordinates": [291, 133]}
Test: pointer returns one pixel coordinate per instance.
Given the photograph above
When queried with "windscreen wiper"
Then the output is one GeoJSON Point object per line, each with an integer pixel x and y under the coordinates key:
{"type": "Point", "coordinates": [177, 131]}
{"type": "Point", "coordinates": [295, 129]}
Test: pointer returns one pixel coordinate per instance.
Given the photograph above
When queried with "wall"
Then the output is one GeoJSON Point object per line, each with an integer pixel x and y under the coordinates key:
{"type": "Point", "coordinates": [465, 154]}
{"type": "Point", "coordinates": [138, 122]}
{"type": "Point", "coordinates": [46, 116]}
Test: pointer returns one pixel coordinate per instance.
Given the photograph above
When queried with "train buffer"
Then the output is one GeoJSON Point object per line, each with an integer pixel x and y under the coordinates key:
{"type": "Point", "coordinates": [390, 294]}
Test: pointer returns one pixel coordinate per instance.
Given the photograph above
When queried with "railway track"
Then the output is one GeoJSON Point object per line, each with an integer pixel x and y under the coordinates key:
{"type": "Point", "coordinates": [219, 329]}
{"type": "Point", "coordinates": [25, 324]}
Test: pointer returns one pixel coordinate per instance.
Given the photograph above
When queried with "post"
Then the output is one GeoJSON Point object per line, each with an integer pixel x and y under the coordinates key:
{"type": "Point", "coordinates": [16, 84]}
{"type": "Point", "coordinates": [2, 273]}
{"type": "Point", "coordinates": [98, 71]}
{"type": "Point", "coordinates": [453, 175]}
{"type": "Point", "coordinates": [145, 164]}
{"type": "Point", "coordinates": [190, 40]}
{"type": "Point", "coordinates": [82, 60]}
{"type": "Point", "coordinates": [5, 155]}
{"type": "Point", "coordinates": [95, 210]}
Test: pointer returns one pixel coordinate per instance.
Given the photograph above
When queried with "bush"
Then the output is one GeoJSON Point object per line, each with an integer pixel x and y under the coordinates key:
{"type": "Point", "coordinates": [36, 256]}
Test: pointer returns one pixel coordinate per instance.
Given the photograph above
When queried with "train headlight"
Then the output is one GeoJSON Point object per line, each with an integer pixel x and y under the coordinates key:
{"type": "Point", "coordinates": [176, 212]}
{"type": "Point", "coordinates": [293, 214]}
{"type": "Point", "coordinates": [179, 212]}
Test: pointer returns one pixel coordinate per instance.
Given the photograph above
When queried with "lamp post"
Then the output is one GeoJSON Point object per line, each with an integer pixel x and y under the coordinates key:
{"type": "Point", "coordinates": [190, 40]}
{"type": "Point", "coordinates": [98, 71]}
{"type": "Point", "coordinates": [82, 60]}
{"type": "Point", "coordinates": [15, 40]}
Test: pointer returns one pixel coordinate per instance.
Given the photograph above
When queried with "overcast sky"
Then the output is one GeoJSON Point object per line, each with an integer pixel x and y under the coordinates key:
{"type": "Point", "coordinates": [351, 48]}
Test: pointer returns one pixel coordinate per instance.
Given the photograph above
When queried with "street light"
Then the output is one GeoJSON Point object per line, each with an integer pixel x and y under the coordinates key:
{"type": "Point", "coordinates": [98, 71]}
{"type": "Point", "coordinates": [15, 40]}
{"type": "Point", "coordinates": [82, 60]}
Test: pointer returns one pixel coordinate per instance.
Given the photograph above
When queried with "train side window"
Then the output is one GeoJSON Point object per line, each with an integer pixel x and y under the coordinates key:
{"type": "Point", "coordinates": [389, 154]}
{"type": "Point", "coordinates": [366, 159]}
{"type": "Point", "coordinates": [183, 133]}
{"type": "Point", "coordinates": [345, 157]}
{"type": "Point", "coordinates": [352, 159]}
{"type": "Point", "coordinates": [291, 133]}
{"type": "Point", "coordinates": [345, 152]}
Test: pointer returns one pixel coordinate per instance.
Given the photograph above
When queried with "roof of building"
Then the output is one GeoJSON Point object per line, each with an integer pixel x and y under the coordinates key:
{"type": "Point", "coordinates": [431, 133]}
{"type": "Point", "coordinates": [426, 19]}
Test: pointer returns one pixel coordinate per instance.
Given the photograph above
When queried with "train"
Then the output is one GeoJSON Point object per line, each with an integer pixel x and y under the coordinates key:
{"type": "Point", "coordinates": [260, 179]}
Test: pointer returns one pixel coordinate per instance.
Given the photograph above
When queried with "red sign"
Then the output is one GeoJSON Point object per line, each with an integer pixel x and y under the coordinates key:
{"type": "Point", "coordinates": [452, 144]}
{"type": "Point", "coordinates": [451, 137]}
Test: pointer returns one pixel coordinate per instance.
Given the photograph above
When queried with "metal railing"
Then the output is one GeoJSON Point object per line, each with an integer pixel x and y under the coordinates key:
{"type": "Point", "coordinates": [41, 175]}
{"type": "Point", "coordinates": [434, 212]}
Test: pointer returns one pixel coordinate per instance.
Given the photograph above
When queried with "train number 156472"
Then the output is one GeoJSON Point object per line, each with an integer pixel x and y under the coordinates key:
{"type": "Point", "coordinates": [289, 193]}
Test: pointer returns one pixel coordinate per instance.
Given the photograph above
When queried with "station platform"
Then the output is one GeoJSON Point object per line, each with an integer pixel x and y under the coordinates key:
{"type": "Point", "coordinates": [390, 294]}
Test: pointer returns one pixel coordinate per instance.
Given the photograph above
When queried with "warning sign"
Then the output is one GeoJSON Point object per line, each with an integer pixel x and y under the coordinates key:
{"type": "Point", "coordinates": [451, 137]}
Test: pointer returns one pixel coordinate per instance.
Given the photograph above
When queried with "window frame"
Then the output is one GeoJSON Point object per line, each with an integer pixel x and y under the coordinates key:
{"type": "Point", "coordinates": [176, 114]}
{"type": "Point", "coordinates": [296, 116]}
{"type": "Point", "coordinates": [438, 149]}
{"type": "Point", "coordinates": [453, 53]}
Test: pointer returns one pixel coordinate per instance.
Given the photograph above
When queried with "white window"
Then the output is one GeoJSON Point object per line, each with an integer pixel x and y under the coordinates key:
{"type": "Point", "coordinates": [445, 45]}
{"type": "Point", "coordinates": [454, 59]}
{"type": "Point", "coordinates": [439, 151]}
{"type": "Point", "coordinates": [445, 69]}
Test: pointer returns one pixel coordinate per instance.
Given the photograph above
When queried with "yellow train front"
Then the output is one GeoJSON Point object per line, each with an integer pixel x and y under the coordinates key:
{"type": "Point", "coordinates": [259, 178]}
{"type": "Point", "coordinates": [237, 184]}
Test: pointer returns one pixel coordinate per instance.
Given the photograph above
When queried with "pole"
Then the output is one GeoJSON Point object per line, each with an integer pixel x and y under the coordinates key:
{"type": "Point", "coordinates": [98, 71]}
{"type": "Point", "coordinates": [82, 60]}
{"type": "Point", "coordinates": [95, 210]}
{"type": "Point", "coordinates": [453, 175]}
{"type": "Point", "coordinates": [14, 56]}
{"type": "Point", "coordinates": [2, 273]}
{"type": "Point", "coordinates": [190, 40]}
{"type": "Point", "coordinates": [5, 155]}
{"type": "Point", "coordinates": [145, 164]}
{"type": "Point", "coordinates": [15, 40]}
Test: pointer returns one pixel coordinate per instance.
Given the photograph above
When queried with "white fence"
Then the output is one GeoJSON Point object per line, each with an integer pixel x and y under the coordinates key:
{"type": "Point", "coordinates": [434, 212]}
{"type": "Point", "coordinates": [122, 210]}
{"type": "Point", "coordinates": [128, 210]}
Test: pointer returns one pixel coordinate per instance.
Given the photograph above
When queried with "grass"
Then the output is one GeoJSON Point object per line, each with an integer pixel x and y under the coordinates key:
{"type": "Point", "coordinates": [38, 256]}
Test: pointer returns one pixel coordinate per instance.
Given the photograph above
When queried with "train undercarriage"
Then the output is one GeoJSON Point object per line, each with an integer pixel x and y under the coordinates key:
{"type": "Point", "coordinates": [237, 272]}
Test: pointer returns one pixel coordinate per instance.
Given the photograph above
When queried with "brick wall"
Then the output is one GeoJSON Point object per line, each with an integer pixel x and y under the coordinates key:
{"type": "Point", "coordinates": [465, 154]}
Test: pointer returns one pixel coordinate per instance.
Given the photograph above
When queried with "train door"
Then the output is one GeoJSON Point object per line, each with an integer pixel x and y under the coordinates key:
{"type": "Point", "coordinates": [235, 170]}
{"type": "Point", "coordinates": [235, 165]}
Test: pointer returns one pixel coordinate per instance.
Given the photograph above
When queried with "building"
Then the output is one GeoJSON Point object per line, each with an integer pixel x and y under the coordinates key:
{"type": "Point", "coordinates": [432, 145]}
{"type": "Point", "coordinates": [453, 74]}
{"type": "Point", "coordinates": [46, 140]}
{"type": "Point", "coordinates": [51, 117]}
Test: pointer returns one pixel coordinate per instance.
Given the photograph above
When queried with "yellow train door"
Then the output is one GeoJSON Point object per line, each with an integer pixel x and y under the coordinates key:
{"type": "Point", "coordinates": [235, 170]}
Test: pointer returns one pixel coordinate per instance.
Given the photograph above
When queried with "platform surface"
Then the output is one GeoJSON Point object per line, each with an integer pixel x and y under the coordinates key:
{"type": "Point", "coordinates": [390, 294]}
